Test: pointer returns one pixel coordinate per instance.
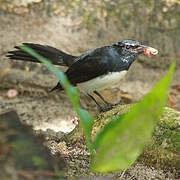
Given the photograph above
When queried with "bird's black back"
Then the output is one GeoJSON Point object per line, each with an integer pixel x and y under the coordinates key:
{"type": "Point", "coordinates": [99, 62]}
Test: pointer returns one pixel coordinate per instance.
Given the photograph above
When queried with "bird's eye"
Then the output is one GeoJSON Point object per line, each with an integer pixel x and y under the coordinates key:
{"type": "Point", "coordinates": [128, 46]}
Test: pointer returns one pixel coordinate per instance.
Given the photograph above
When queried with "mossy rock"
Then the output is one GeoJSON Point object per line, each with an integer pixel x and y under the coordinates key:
{"type": "Point", "coordinates": [164, 148]}
{"type": "Point", "coordinates": [163, 151]}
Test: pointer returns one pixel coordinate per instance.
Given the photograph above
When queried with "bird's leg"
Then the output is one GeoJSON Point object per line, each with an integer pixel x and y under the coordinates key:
{"type": "Point", "coordinates": [109, 105]}
{"type": "Point", "coordinates": [101, 109]}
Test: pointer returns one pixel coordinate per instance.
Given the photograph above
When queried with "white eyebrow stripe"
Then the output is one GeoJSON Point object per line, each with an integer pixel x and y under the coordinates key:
{"type": "Point", "coordinates": [129, 44]}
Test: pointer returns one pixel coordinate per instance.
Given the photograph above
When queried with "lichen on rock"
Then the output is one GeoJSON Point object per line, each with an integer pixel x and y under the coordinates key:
{"type": "Point", "coordinates": [164, 148]}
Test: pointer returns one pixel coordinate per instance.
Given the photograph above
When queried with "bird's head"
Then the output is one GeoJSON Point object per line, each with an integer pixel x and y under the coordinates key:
{"type": "Point", "coordinates": [134, 47]}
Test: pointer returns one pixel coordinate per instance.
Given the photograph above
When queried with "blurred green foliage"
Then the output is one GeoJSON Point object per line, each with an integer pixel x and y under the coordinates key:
{"type": "Point", "coordinates": [39, 162]}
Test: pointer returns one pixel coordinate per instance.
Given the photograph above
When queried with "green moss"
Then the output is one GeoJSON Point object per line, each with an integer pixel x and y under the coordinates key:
{"type": "Point", "coordinates": [164, 149]}
{"type": "Point", "coordinates": [168, 132]}
{"type": "Point", "coordinates": [160, 158]}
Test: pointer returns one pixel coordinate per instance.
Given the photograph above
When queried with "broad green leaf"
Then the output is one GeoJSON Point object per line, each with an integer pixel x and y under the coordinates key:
{"type": "Point", "coordinates": [72, 93]}
{"type": "Point", "coordinates": [120, 143]}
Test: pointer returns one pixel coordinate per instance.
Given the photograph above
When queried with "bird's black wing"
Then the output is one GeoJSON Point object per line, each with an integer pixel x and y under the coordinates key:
{"type": "Point", "coordinates": [93, 64]}
{"type": "Point", "coordinates": [90, 66]}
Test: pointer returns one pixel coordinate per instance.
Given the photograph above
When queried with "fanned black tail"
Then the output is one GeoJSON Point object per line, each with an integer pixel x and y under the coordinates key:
{"type": "Point", "coordinates": [57, 57]}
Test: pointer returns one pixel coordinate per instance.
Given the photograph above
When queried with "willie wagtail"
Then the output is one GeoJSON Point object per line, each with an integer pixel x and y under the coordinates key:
{"type": "Point", "coordinates": [93, 70]}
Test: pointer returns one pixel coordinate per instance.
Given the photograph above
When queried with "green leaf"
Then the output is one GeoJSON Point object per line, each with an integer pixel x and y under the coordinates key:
{"type": "Point", "coordinates": [87, 124]}
{"type": "Point", "coordinates": [72, 93]}
{"type": "Point", "coordinates": [120, 143]}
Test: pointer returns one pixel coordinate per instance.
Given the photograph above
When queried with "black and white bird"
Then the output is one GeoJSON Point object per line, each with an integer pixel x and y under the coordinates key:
{"type": "Point", "coordinates": [93, 70]}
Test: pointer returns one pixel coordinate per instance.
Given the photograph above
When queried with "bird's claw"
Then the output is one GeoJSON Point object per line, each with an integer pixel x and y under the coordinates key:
{"type": "Point", "coordinates": [106, 108]}
{"type": "Point", "coordinates": [109, 106]}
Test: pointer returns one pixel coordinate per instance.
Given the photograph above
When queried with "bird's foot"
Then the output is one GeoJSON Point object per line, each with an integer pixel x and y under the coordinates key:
{"type": "Point", "coordinates": [106, 108]}
{"type": "Point", "coordinates": [119, 103]}
{"type": "Point", "coordinates": [102, 109]}
{"type": "Point", "coordinates": [109, 106]}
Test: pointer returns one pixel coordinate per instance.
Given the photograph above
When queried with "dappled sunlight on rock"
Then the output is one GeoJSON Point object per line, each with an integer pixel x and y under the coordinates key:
{"type": "Point", "coordinates": [59, 124]}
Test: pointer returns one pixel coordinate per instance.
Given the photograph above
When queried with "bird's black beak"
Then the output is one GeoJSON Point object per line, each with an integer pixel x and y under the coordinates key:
{"type": "Point", "coordinates": [147, 51]}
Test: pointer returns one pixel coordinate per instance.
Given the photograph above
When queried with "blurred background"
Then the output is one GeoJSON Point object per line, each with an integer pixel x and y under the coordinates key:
{"type": "Point", "coordinates": [75, 26]}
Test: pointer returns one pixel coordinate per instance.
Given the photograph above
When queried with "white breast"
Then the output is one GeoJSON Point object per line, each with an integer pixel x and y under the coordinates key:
{"type": "Point", "coordinates": [101, 82]}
